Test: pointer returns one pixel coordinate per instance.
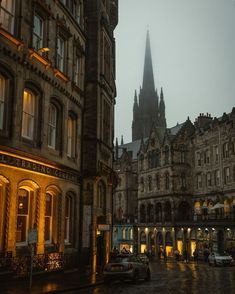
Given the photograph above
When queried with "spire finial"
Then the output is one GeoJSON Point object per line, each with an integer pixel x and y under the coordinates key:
{"type": "Point", "coordinates": [122, 142]}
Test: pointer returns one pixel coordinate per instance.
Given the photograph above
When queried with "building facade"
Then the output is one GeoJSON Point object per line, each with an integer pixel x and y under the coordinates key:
{"type": "Point", "coordinates": [100, 93]}
{"type": "Point", "coordinates": [186, 186]}
{"type": "Point", "coordinates": [57, 96]}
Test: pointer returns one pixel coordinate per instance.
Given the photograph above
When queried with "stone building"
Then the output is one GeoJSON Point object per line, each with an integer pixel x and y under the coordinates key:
{"type": "Point", "coordinates": [57, 95]}
{"type": "Point", "coordinates": [100, 93]}
{"type": "Point", "coordinates": [186, 185]}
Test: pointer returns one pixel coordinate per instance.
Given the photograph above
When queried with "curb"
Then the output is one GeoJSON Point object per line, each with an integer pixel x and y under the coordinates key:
{"type": "Point", "coordinates": [73, 288]}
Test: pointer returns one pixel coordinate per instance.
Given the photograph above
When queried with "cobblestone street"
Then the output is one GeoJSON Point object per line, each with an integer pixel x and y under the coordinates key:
{"type": "Point", "coordinates": [175, 278]}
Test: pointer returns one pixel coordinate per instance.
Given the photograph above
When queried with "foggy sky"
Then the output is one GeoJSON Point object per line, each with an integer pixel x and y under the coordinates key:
{"type": "Point", "coordinates": [193, 54]}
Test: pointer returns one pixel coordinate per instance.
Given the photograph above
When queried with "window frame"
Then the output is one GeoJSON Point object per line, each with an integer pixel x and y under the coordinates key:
{"type": "Point", "coordinates": [11, 14]}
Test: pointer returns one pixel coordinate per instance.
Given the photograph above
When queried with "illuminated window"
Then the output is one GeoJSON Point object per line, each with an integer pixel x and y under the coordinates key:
{"type": "Point", "coordinates": [131, 234]}
{"type": "Point", "coordinates": [71, 137]}
{"type": "Point", "coordinates": [7, 15]}
{"type": "Point", "coordinates": [60, 54]}
{"type": "Point", "coordinates": [2, 100]}
{"type": "Point", "coordinates": [52, 125]}
{"type": "Point", "coordinates": [38, 32]}
{"type": "Point", "coordinates": [48, 218]}
{"type": "Point", "coordinates": [22, 217]}
{"type": "Point", "coordinates": [28, 121]}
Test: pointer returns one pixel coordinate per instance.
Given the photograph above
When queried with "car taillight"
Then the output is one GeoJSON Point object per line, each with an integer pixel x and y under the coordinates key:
{"type": "Point", "coordinates": [130, 266]}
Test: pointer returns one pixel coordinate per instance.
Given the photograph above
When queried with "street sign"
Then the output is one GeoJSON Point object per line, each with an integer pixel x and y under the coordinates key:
{"type": "Point", "coordinates": [33, 236]}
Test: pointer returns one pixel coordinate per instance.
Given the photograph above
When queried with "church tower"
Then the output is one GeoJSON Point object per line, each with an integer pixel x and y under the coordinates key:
{"type": "Point", "coordinates": [147, 110]}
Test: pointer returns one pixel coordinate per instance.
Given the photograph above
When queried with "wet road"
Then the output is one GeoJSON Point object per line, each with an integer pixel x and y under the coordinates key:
{"type": "Point", "coordinates": [175, 278]}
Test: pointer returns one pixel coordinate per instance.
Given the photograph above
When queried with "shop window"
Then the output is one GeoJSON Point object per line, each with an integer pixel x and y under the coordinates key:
{"type": "Point", "coordinates": [7, 15]}
{"type": "Point", "coordinates": [48, 218]}
{"type": "Point", "coordinates": [22, 226]}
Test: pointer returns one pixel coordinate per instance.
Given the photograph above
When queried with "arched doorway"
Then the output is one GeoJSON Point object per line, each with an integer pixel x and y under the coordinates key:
{"type": "Point", "coordinates": [169, 244]}
{"type": "Point", "coordinates": [151, 243]}
{"type": "Point", "coordinates": [143, 246]}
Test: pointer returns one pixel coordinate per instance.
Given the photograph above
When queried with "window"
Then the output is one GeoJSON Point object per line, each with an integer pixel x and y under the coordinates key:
{"type": "Point", "coordinates": [182, 156]}
{"type": "Point", "coordinates": [28, 120]}
{"type": "Point", "coordinates": [60, 54]}
{"type": "Point", "coordinates": [7, 15]}
{"type": "Point", "coordinates": [38, 30]}
{"type": "Point", "coordinates": [2, 100]}
{"type": "Point", "coordinates": [107, 59]}
{"type": "Point", "coordinates": [131, 234]}
{"type": "Point", "coordinates": [198, 156]}
{"type": "Point", "coordinates": [106, 123]}
{"type": "Point", "coordinates": [52, 125]}
{"type": "Point", "coordinates": [207, 156]}
{"type": "Point", "coordinates": [199, 181]}
{"type": "Point", "coordinates": [183, 181]}
{"type": "Point", "coordinates": [217, 177]}
{"type": "Point", "coordinates": [225, 150]}
{"type": "Point", "coordinates": [77, 71]}
{"type": "Point", "coordinates": [167, 154]}
{"type": "Point", "coordinates": [68, 219]}
{"type": "Point", "coordinates": [216, 153]}
{"type": "Point", "coordinates": [123, 233]}
{"type": "Point", "coordinates": [78, 12]}
{"type": "Point", "coordinates": [208, 177]}
{"type": "Point", "coordinates": [167, 181]}
{"type": "Point", "coordinates": [150, 183]}
{"type": "Point", "coordinates": [142, 184]}
{"type": "Point", "coordinates": [48, 218]}
{"type": "Point", "coordinates": [226, 175]}
{"type": "Point", "coordinates": [22, 216]}
{"type": "Point", "coordinates": [158, 182]}
{"type": "Point", "coordinates": [71, 137]}
{"type": "Point", "coordinates": [101, 196]}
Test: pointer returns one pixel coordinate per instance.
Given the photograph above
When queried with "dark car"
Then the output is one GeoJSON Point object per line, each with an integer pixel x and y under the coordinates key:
{"type": "Point", "coordinates": [126, 267]}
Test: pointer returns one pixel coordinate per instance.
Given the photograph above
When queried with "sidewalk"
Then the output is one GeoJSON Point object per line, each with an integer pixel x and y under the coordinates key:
{"type": "Point", "coordinates": [55, 282]}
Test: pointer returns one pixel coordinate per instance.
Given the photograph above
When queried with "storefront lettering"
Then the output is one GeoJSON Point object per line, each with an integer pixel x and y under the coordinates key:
{"type": "Point", "coordinates": [37, 167]}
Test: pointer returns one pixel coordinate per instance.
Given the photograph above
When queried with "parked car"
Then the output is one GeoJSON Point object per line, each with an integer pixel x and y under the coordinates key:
{"type": "Point", "coordinates": [216, 258]}
{"type": "Point", "coordinates": [126, 267]}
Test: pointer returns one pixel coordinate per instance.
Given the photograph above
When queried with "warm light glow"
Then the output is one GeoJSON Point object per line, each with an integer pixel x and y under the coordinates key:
{"type": "Point", "coordinates": [180, 246]}
{"type": "Point", "coordinates": [143, 248]}
{"type": "Point", "coordinates": [146, 229]}
{"type": "Point", "coordinates": [193, 247]}
{"type": "Point", "coordinates": [98, 232]}
{"type": "Point", "coordinates": [42, 50]}
{"type": "Point", "coordinates": [169, 251]}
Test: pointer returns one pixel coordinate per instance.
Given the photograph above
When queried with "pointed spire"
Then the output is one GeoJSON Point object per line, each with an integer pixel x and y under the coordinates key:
{"type": "Point", "coordinates": [148, 79]}
{"type": "Point", "coordinates": [161, 95]}
{"type": "Point", "coordinates": [122, 142]}
{"type": "Point", "coordinates": [135, 98]}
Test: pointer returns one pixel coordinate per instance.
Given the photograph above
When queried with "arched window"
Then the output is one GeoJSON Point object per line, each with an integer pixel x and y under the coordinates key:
{"type": "Point", "coordinates": [71, 137]}
{"type": "Point", "coordinates": [29, 114]}
{"type": "Point", "coordinates": [52, 126]}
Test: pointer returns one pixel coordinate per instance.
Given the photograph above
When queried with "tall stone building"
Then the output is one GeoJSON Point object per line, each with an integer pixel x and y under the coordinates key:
{"type": "Point", "coordinates": [185, 189]}
{"type": "Point", "coordinates": [100, 92]}
{"type": "Point", "coordinates": [57, 94]}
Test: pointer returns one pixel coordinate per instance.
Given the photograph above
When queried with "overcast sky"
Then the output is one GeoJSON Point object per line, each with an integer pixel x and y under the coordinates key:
{"type": "Point", "coordinates": [193, 54]}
